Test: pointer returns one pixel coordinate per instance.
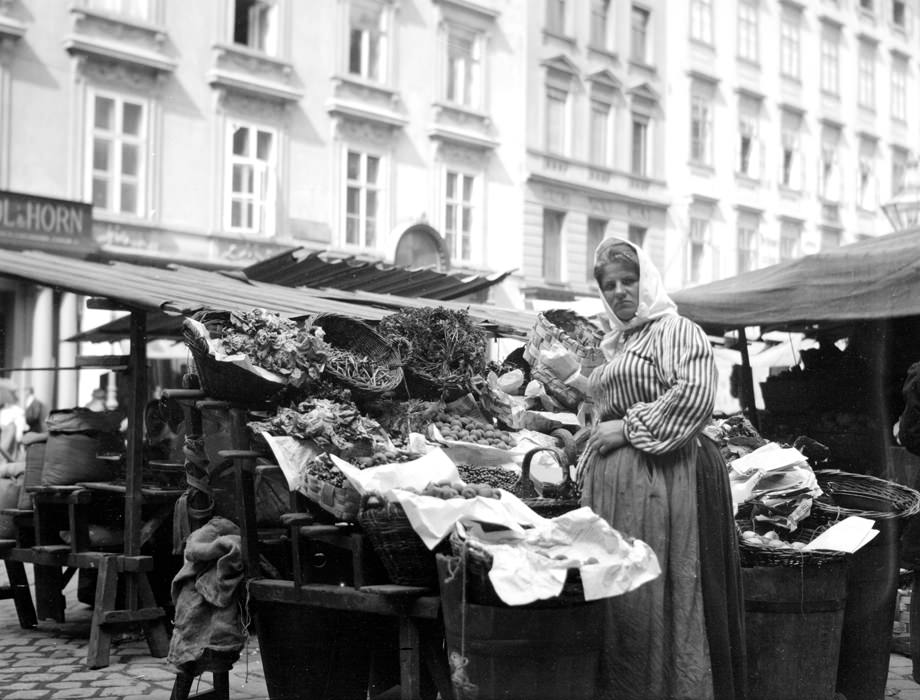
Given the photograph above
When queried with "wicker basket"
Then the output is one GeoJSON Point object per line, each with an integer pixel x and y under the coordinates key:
{"type": "Point", "coordinates": [361, 340]}
{"type": "Point", "coordinates": [847, 494]}
{"type": "Point", "coordinates": [565, 495]}
{"type": "Point", "coordinates": [226, 380]}
{"type": "Point", "coordinates": [567, 396]}
{"type": "Point", "coordinates": [408, 562]}
{"type": "Point", "coordinates": [343, 502]}
{"type": "Point", "coordinates": [755, 554]}
{"type": "Point", "coordinates": [576, 334]}
{"type": "Point", "coordinates": [481, 592]}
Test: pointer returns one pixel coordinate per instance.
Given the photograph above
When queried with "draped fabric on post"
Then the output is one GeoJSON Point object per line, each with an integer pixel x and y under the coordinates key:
{"type": "Point", "coordinates": [194, 507]}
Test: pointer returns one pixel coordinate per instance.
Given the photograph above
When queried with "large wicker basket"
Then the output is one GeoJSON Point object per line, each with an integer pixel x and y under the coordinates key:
{"type": "Point", "coordinates": [576, 334]}
{"type": "Point", "coordinates": [361, 340]}
{"type": "Point", "coordinates": [754, 553]}
{"type": "Point", "coordinates": [408, 562]}
{"type": "Point", "coordinates": [226, 380]}
{"type": "Point", "coordinates": [847, 494]}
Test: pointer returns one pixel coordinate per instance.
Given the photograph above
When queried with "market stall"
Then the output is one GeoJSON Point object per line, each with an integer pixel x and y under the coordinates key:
{"type": "Point", "coordinates": [861, 302]}
{"type": "Point", "coordinates": [388, 439]}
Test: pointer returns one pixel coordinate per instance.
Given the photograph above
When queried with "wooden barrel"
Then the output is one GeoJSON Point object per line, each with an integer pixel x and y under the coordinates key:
{"type": "Point", "coordinates": [793, 623]}
{"type": "Point", "coordinates": [519, 653]}
{"type": "Point", "coordinates": [311, 653]}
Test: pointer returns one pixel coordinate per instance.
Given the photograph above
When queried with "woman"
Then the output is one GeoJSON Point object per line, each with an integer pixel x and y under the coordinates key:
{"type": "Point", "coordinates": [649, 472]}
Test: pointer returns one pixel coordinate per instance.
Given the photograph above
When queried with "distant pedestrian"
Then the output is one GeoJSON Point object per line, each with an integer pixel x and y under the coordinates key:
{"type": "Point", "coordinates": [12, 426]}
{"type": "Point", "coordinates": [97, 403]}
{"type": "Point", "coordinates": [35, 412]}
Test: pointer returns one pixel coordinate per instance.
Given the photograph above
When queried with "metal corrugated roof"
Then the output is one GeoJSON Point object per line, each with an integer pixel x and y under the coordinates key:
{"type": "Point", "coordinates": [322, 269]}
{"type": "Point", "coordinates": [179, 288]}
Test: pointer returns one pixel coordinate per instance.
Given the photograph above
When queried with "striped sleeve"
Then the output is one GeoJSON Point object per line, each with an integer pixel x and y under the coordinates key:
{"type": "Point", "coordinates": [687, 368]}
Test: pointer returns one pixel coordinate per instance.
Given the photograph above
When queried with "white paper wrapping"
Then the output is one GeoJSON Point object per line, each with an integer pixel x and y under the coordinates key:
{"type": "Point", "coordinates": [533, 566]}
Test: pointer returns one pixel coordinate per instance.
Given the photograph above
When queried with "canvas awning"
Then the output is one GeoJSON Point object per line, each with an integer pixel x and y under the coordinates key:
{"type": "Point", "coordinates": [874, 279]}
{"type": "Point", "coordinates": [177, 288]}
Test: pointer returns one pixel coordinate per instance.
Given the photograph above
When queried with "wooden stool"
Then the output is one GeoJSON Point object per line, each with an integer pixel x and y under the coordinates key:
{"type": "Point", "coordinates": [18, 587]}
{"type": "Point", "coordinates": [141, 608]}
{"type": "Point", "coordinates": [219, 666]}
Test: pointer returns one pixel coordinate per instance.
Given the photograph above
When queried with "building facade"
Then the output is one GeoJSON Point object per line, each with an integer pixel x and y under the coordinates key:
{"type": "Point", "coordinates": [472, 135]}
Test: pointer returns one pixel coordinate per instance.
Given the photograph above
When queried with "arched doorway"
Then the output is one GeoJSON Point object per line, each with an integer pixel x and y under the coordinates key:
{"type": "Point", "coordinates": [421, 246]}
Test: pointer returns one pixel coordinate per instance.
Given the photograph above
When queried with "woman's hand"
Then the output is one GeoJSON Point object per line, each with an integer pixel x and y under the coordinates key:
{"type": "Point", "coordinates": [607, 436]}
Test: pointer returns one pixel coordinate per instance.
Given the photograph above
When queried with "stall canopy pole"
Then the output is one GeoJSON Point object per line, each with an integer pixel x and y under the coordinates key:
{"type": "Point", "coordinates": [748, 404]}
{"type": "Point", "coordinates": [137, 395]}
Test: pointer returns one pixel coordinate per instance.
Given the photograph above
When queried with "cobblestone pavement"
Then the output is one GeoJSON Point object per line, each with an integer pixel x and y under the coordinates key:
{"type": "Point", "coordinates": [48, 663]}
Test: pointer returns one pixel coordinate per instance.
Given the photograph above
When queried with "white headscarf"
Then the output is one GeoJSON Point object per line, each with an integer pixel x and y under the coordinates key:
{"type": "Point", "coordinates": [653, 302]}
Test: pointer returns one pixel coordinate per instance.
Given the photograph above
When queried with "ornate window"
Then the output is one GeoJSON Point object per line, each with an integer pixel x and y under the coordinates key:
{"type": "Point", "coordinates": [748, 229]}
{"type": "Point", "coordinates": [638, 46]}
{"type": "Point", "coordinates": [749, 31]}
{"type": "Point", "coordinates": [369, 40]}
{"type": "Point", "coordinates": [459, 214]}
{"type": "Point", "coordinates": [255, 25]}
{"type": "Point", "coordinates": [552, 245]}
{"type": "Point", "coordinates": [251, 184]}
{"type": "Point", "coordinates": [790, 47]}
{"type": "Point", "coordinates": [830, 59]}
{"type": "Point", "coordinates": [362, 198]}
{"type": "Point", "coordinates": [118, 153]}
{"type": "Point", "coordinates": [865, 78]}
{"type": "Point", "coordinates": [701, 21]}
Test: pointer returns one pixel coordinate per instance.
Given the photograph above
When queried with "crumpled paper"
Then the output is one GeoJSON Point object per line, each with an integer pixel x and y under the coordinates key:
{"type": "Point", "coordinates": [532, 565]}
{"type": "Point", "coordinates": [433, 518]}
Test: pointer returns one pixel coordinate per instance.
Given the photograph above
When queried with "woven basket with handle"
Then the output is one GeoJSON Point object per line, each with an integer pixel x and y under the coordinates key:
{"type": "Point", "coordinates": [556, 499]}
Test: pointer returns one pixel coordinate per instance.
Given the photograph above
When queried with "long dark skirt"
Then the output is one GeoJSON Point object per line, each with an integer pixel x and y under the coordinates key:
{"type": "Point", "coordinates": [720, 566]}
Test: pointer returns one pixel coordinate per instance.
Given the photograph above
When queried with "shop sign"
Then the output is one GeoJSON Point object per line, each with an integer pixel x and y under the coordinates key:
{"type": "Point", "coordinates": [29, 221]}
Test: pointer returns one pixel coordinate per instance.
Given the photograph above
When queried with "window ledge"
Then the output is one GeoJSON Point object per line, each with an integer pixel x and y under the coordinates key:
{"type": "Point", "coordinates": [119, 39]}
{"type": "Point", "coordinates": [604, 52]}
{"type": "Point", "coordinates": [233, 81]}
{"type": "Point", "coordinates": [550, 34]}
{"type": "Point", "coordinates": [702, 168]}
{"type": "Point", "coordinates": [790, 192]}
{"type": "Point", "coordinates": [746, 179]}
{"type": "Point", "coordinates": [11, 29]}
{"type": "Point", "coordinates": [252, 60]}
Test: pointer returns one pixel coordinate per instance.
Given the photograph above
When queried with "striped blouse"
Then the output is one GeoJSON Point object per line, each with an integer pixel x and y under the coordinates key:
{"type": "Point", "coordinates": [661, 382]}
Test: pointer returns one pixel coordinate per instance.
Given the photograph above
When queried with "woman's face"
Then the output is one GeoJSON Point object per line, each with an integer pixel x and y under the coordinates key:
{"type": "Point", "coordinates": [619, 284]}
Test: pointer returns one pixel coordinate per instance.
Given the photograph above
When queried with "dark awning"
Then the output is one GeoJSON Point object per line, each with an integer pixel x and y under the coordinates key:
{"type": "Point", "coordinates": [875, 279]}
{"type": "Point", "coordinates": [324, 269]}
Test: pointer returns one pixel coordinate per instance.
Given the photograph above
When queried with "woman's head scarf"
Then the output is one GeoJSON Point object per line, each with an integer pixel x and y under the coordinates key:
{"type": "Point", "coordinates": [653, 301]}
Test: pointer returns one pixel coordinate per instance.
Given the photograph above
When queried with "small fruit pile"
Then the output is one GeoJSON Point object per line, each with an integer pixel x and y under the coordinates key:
{"type": "Point", "coordinates": [468, 429]}
{"type": "Point", "coordinates": [322, 467]}
{"type": "Point", "coordinates": [496, 477]}
{"type": "Point", "coordinates": [769, 539]}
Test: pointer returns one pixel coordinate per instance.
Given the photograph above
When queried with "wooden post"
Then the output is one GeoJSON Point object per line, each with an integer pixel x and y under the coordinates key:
{"type": "Point", "coordinates": [137, 398]}
{"type": "Point", "coordinates": [748, 404]}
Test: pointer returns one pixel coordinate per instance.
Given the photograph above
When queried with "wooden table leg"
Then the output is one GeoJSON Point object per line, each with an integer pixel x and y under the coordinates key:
{"type": "Point", "coordinates": [100, 636]}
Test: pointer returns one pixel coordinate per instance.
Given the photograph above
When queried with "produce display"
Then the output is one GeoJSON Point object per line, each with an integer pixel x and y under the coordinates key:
{"type": "Point", "coordinates": [276, 344]}
{"type": "Point", "coordinates": [441, 344]}
{"type": "Point", "coordinates": [468, 429]}
{"type": "Point", "coordinates": [335, 426]}
{"type": "Point", "coordinates": [496, 477]}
